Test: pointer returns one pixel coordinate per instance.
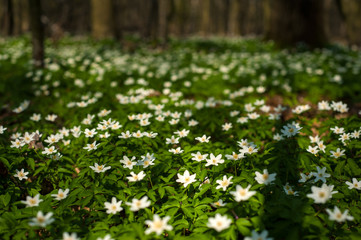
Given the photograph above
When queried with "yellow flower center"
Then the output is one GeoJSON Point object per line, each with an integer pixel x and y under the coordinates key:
{"type": "Point", "coordinates": [158, 224]}
{"type": "Point", "coordinates": [41, 219]}
{"type": "Point", "coordinates": [242, 192]}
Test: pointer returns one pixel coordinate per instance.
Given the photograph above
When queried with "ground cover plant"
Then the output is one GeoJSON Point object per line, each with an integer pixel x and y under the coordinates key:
{"type": "Point", "coordinates": [206, 139]}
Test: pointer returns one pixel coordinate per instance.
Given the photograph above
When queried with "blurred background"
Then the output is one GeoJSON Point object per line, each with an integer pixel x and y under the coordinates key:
{"type": "Point", "coordinates": [315, 22]}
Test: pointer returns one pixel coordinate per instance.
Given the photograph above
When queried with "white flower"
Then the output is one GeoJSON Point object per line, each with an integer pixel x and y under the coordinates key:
{"type": "Point", "coordinates": [321, 146]}
{"type": "Point", "coordinates": [224, 183]}
{"type": "Point", "coordinates": [51, 117]}
{"type": "Point", "coordinates": [178, 150]}
{"type": "Point", "coordinates": [242, 194]}
{"type": "Point", "coordinates": [289, 191]}
{"type": "Point", "coordinates": [198, 156]}
{"type": "Point", "coordinates": [106, 237]}
{"type": "Point", "coordinates": [35, 117]}
{"type": "Point", "coordinates": [323, 105]}
{"type": "Point", "coordinates": [290, 130]}
{"type": "Point", "coordinates": [41, 220]}
{"type": "Point", "coordinates": [219, 222]}
{"type": "Point", "coordinates": [320, 174]}
{"type": "Point", "coordinates": [219, 203]}
{"type": "Point", "coordinates": [91, 146]}
{"type": "Point", "coordinates": [115, 125]}
{"type": "Point", "coordinates": [150, 134]}
{"type": "Point", "coordinates": [21, 174]}
{"type": "Point", "coordinates": [28, 137]}
{"type": "Point", "coordinates": [338, 153]}
{"type": "Point", "coordinates": [173, 121]}
{"type": "Point", "coordinates": [67, 236]}
{"type": "Point", "coordinates": [337, 130]}
{"type": "Point", "coordinates": [17, 143]}
{"type": "Point", "coordinates": [104, 112]}
{"type": "Point", "coordinates": [138, 134]}
{"type": "Point", "coordinates": [235, 156]}
{"type": "Point", "coordinates": [125, 135]}
{"type": "Point", "coordinates": [61, 194]}
{"type": "Point", "coordinates": [90, 133]}
{"type": "Point", "coordinates": [314, 139]}
{"type": "Point", "coordinates": [147, 160]}
{"type": "Point", "coordinates": [314, 150]}
{"type": "Point", "coordinates": [251, 148]}
{"type": "Point", "coordinates": [100, 168]}
{"type": "Point", "coordinates": [213, 160]}
{"type": "Point", "coordinates": [158, 225]}
{"type": "Point", "coordinates": [192, 123]}
{"type": "Point", "coordinates": [248, 107]}
{"type": "Point", "coordinates": [265, 178]}
{"type": "Point", "coordinates": [182, 133]}
{"type": "Point", "coordinates": [253, 115]}
{"type": "Point", "coordinates": [104, 135]}
{"type": "Point", "coordinates": [49, 151]}
{"type": "Point", "coordinates": [144, 122]}
{"type": "Point", "coordinates": [136, 204]}
{"type": "Point", "coordinates": [202, 139]}
{"type": "Point", "coordinates": [355, 184]}
{"type": "Point", "coordinates": [136, 177]}
{"type": "Point", "coordinates": [186, 178]}
{"type": "Point", "coordinates": [114, 206]}
{"type": "Point", "coordinates": [127, 162]}
{"type": "Point", "coordinates": [172, 140]}
{"type": "Point", "coordinates": [322, 194]}
{"type": "Point", "coordinates": [305, 177]}
{"type": "Point", "coordinates": [226, 126]}
{"type": "Point", "coordinates": [259, 236]}
{"type": "Point", "coordinates": [242, 120]}
{"type": "Point", "coordinates": [356, 134]}
{"type": "Point", "coordinates": [338, 216]}
{"type": "Point", "coordinates": [32, 201]}
{"type": "Point", "coordinates": [344, 137]}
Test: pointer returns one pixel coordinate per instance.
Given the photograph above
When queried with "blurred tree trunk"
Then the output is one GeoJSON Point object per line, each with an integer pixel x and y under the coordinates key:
{"type": "Point", "coordinates": [151, 23]}
{"type": "Point", "coordinates": [351, 12]}
{"type": "Point", "coordinates": [7, 17]}
{"type": "Point", "coordinates": [166, 8]}
{"type": "Point", "coordinates": [288, 22]}
{"type": "Point", "coordinates": [102, 19]}
{"type": "Point", "coordinates": [205, 17]}
{"type": "Point", "coordinates": [234, 18]}
{"type": "Point", "coordinates": [37, 32]}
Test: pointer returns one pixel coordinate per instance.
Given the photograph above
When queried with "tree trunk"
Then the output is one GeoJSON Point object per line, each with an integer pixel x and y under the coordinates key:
{"type": "Point", "coordinates": [37, 32]}
{"type": "Point", "coordinates": [151, 26]}
{"type": "Point", "coordinates": [233, 18]}
{"type": "Point", "coordinates": [165, 10]}
{"type": "Point", "coordinates": [351, 10]}
{"type": "Point", "coordinates": [289, 22]}
{"type": "Point", "coordinates": [206, 18]}
{"type": "Point", "coordinates": [102, 19]}
{"type": "Point", "coordinates": [7, 18]}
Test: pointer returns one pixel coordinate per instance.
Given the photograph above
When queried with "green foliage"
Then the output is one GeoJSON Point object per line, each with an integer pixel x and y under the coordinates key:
{"type": "Point", "coordinates": [260, 91]}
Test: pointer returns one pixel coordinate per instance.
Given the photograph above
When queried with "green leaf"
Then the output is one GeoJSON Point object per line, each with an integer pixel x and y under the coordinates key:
{"type": "Point", "coordinates": [6, 199]}
{"type": "Point", "coordinates": [5, 162]}
{"type": "Point", "coordinates": [203, 190]}
{"type": "Point", "coordinates": [31, 163]}
{"type": "Point", "coordinates": [188, 212]}
{"type": "Point", "coordinates": [161, 192]}
{"type": "Point", "coordinates": [354, 168]}
{"type": "Point", "coordinates": [340, 167]}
